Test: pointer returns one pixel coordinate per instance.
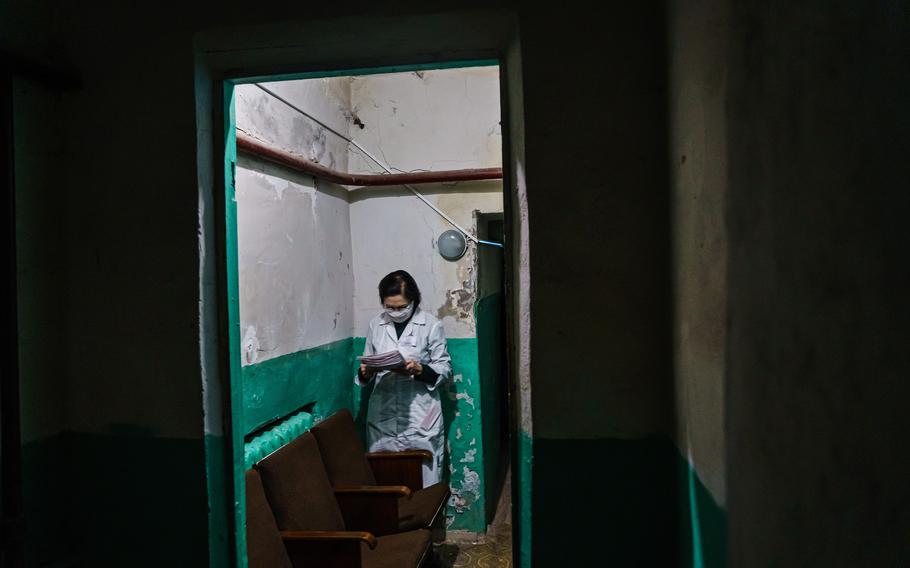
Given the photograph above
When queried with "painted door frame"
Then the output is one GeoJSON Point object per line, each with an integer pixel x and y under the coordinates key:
{"type": "Point", "coordinates": [222, 61]}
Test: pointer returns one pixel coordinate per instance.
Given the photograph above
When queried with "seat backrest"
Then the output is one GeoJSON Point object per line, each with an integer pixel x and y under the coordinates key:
{"type": "Point", "coordinates": [263, 543]}
{"type": "Point", "coordinates": [342, 452]}
{"type": "Point", "coordinates": [298, 489]}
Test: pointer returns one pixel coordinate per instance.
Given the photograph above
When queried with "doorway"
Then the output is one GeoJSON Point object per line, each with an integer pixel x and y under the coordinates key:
{"type": "Point", "coordinates": [306, 246]}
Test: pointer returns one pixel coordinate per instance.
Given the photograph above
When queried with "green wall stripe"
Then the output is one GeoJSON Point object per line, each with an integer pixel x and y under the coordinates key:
{"type": "Point", "coordinates": [703, 522]}
{"type": "Point", "coordinates": [521, 498]}
{"type": "Point", "coordinates": [646, 500]}
{"type": "Point", "coordinates": [463, 411]}
{"type": "Point", "coordinates": [219, 514]}
{"type": "Point", "coordinates": [280, 386]}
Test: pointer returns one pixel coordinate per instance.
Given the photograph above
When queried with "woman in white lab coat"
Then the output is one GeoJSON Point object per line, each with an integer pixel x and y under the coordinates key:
{"type": "Point", "coordinates": [405, 409]}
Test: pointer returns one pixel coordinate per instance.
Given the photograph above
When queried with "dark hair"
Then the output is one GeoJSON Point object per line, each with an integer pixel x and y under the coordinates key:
{"type": "Point", "coordinates": [399, 282]}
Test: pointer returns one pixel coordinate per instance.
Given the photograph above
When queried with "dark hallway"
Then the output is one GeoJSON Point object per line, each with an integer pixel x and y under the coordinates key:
{"type": "Point", "coordinates": [704, 209]}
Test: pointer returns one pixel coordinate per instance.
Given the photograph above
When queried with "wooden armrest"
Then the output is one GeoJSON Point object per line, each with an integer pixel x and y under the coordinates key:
{"type": "Point", "coordinates": [399, 468]}
{"type": "Point", "coordinates": [409, 454]}
{"type": "Point", "coordinates": [338, 549]}
{"type": "Point", "coordinates": [367, 490]}
{"type": "Point", "coordinates": [358, 536]}
{"type": "Point", "coordinates": [372, 508]}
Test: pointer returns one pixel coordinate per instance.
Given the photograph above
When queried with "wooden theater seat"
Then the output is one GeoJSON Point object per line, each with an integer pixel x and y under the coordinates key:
{"type": "Point", "coordinates": [293, 519]}
{"type": "Point", "coordinates": [353, 473]}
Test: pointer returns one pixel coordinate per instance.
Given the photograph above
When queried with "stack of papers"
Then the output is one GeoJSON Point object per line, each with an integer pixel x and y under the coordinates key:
{"type": "Point", "coordinates": [384, 361]}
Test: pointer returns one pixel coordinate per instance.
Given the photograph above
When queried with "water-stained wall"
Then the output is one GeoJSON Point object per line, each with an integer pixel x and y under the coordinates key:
{"type": "Point", "coordinates": [294, 252]}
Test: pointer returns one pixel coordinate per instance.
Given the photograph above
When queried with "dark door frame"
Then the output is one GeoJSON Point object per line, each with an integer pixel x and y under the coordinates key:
{"type": "Point", "coordinates": [298, 50]}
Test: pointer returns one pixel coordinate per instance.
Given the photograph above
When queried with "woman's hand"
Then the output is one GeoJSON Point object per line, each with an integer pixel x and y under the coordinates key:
{"type": "Point", "coordinates": [366, 373]}
{"type": "Point", "coordinates": [413, 367]}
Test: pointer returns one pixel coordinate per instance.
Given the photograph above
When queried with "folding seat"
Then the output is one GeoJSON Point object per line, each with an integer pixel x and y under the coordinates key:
{"type": "Point", "coordinates": [355, 473]}
{"type": "Point", "coordinates": [293, 519]}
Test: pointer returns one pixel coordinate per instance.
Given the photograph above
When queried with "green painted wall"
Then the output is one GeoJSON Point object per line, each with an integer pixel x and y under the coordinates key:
{"type": "Point", "coordinates": [522, 485]}
{"type": "Point", "coordinates": [488, 312]}
{"type": "Point", "coordinates": [702, 522]}
{"type": "Point", "coordinates": [648, 505]}
{"type": "Point", "coordinates": [462, 410]}
{"type": "Point", "coordinates": [624, 490]}
{"type": "Point", "coordinates": [217, 479]}
{"type": "Point", "coordinates": [280, 386]}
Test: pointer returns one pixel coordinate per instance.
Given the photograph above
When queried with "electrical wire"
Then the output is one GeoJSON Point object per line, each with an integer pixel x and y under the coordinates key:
{"type": "Point", "coordinates": [379, 163]}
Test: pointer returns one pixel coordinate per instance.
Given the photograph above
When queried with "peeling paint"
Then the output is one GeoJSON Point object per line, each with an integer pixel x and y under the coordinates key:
{"type": "Point", "coordinates": [464, 496]}
{"type": "Point", "coordinates": [465, 397]}
{"type": "Point", "coordinates": [459, 303]}
{"type": "Point", "coordinates": [250, 345]}
{"type": "Point", "coordinates": [469, 456]}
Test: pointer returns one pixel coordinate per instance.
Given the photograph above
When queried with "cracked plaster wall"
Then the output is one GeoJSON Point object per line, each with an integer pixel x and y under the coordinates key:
{"type": "Point", "coordinates": [430, 120]}
{"type": "Point", "coordinates": [294, 237]}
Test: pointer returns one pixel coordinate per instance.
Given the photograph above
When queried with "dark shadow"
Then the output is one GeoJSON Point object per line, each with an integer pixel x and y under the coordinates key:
{"type": "Point", "coordinates": [360, 412]}
{"type": "Point", "coordinates": [449, 406]}
{"type": "Point", "coordinates": [443, 556]}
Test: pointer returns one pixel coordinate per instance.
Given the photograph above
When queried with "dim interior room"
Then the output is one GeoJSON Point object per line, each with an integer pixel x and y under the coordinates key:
{"type": "Point", "coordinates": [311, 247]}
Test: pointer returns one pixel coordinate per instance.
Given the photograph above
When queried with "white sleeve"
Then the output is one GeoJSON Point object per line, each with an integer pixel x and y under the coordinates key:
{"type": "Point", "coordinates": [367, 350]}
{"type": "Point", "coordinates": [440, 361]}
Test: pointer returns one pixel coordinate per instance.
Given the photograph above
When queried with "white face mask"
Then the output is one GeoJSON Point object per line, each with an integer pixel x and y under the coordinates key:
{"type": "Point", "coordinates": [400, 316]}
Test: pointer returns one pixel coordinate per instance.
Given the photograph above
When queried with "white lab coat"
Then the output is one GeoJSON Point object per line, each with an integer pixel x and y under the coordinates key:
{"type": "Point", "coordinates": [404, 413]}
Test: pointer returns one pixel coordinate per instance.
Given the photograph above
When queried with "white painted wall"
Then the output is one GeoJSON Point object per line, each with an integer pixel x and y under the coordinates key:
{"type": "Point", "coordinates": [294, 237]}
{"type": "Point", "coordinates": [432, 120]}
{"type": "Point", "coordinates": [264, 117]}
{"type": "Point", "coordinates": [397, 231]}
{"type": "Point", "coordinates": [445, 119]}
{"type": "Point", "coordinates": [312, 254]}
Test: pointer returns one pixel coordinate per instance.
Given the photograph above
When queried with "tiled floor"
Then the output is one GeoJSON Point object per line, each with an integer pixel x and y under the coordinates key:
{"type": "Point", "coordinates": [494, 552]}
